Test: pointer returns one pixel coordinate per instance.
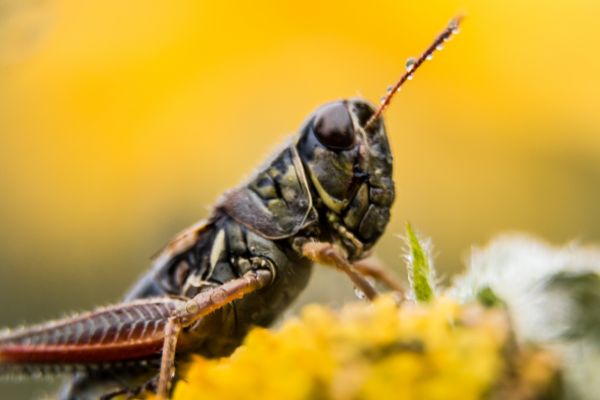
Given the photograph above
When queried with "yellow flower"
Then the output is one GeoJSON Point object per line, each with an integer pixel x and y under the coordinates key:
{"type": "Point", "coordinates": [374, 351]}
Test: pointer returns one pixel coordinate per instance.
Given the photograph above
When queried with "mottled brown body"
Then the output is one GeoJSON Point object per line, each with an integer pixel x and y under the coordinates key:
{"type": "Point", "coordinates": [325, 197]}
{"type": "Point", "coordinates": [262, 225]}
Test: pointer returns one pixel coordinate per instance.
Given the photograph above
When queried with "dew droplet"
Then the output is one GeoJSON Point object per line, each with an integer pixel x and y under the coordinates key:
{"type": "Point", "coordinates": [410, 64]}
{"type": "Point", "coordinates": [359, 294]}
{"type": "Point", "coordinates": [410, 77]}
{"type": "Point", "coordinates": [439, 47]}
{"type": "Point", "coordinates": [389, 89]}
{"type": "Point", "coordinates": [399, 89]}
{"type": "Point", "coordinates": [429, 57]}
{"type": "Point", "coordinates": [382, 100]}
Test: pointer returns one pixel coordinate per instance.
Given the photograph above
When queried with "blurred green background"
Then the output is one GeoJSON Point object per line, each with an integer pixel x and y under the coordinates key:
{"type": "Point", "coordinates": [122, 121]}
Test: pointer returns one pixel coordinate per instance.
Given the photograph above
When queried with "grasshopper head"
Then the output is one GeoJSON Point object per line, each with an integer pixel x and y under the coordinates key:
{"type": "Point", "coordinates": [350, 167]}
{"type": "Point", "coordinates": [345, 150]}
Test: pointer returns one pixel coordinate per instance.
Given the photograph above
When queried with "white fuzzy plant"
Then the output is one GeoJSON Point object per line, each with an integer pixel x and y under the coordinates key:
{"type": "Point", "coordinates": [553, 297]}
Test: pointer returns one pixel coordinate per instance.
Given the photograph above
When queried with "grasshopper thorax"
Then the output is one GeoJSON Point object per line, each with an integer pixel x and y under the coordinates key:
{"type": "Point", "coordinates": [334, 181]}
{"type": "Point", "coordinates": [349, 166]}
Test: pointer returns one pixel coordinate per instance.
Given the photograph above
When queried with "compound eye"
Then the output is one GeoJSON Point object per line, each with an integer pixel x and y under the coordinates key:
{"type": "Point", "coordinates": [333, 127]}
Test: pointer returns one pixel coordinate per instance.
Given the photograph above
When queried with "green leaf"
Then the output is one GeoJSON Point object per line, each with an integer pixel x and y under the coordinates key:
{"type": "Point", "coordinates": [420, 270]}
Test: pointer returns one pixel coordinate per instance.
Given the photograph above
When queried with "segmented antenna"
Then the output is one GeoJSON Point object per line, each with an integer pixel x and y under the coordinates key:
{"type": "Point", "coordinates": [412, 65]}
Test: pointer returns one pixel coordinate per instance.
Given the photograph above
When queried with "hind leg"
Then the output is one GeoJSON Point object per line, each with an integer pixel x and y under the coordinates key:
{"type": "Point", "coordinates": [86, 387]}
{"type": "Point", "coordinates": [203, 304]}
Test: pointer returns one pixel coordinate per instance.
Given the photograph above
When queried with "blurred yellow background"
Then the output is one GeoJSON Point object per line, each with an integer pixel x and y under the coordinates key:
{"type": "Point", "coordinates": [122, 121]}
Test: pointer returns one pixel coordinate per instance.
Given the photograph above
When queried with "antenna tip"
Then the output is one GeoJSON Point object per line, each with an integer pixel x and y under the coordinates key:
{"type": "Point", "coordinates": [412, 65]}
{"type": "Point", "coordinates": [455, 22]}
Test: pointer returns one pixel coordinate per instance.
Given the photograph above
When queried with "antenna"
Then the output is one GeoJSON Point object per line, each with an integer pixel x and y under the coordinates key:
{"type": "Point", "coordinates": [413, 64]}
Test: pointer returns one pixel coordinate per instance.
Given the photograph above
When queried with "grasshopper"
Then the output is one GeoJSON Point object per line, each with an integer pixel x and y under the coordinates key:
{"type": "Point", "coordinates": [324, 198]}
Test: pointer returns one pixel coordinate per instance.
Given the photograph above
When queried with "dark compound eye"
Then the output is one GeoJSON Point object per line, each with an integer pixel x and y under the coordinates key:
{"type": "Point", "coordinates": [333, 127]}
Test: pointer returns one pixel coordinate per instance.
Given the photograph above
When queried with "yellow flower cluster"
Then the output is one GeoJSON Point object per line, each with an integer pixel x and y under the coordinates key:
{"type": "Point", "coordinates": [369, 351]}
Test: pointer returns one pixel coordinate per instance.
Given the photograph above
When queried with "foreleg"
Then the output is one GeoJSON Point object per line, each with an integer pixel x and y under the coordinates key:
{"type": "Point", "coordinates": [373, 267]}
{"type": "Point", "coordinates": [332, 255]}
